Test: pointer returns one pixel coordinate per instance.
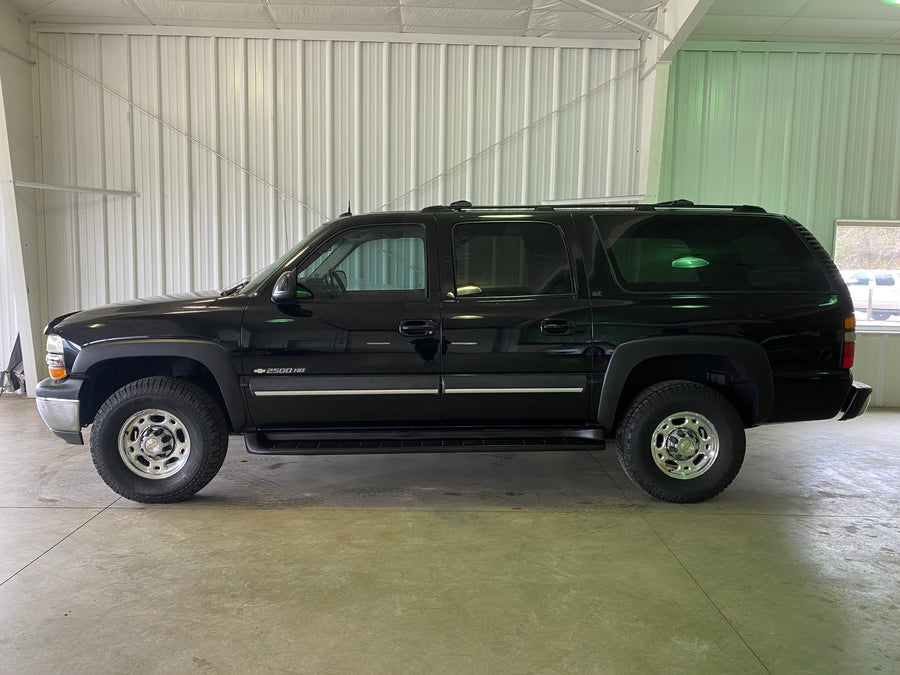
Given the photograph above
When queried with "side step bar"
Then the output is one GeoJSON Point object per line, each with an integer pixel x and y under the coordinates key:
{"type": "Point", "coordinates": [377, 440]}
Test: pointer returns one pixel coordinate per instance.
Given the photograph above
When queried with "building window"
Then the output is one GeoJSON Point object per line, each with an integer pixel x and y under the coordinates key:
{"type": "Point", "coordinates": [867, 252]}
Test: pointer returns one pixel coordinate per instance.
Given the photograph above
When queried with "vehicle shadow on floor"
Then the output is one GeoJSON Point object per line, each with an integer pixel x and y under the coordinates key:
{"type": "Point", "coordinates": [470, 480]}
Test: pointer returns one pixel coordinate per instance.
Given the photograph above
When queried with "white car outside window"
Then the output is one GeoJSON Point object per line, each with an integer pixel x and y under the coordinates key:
{"type": "Point", "coordinates": [878, 288]}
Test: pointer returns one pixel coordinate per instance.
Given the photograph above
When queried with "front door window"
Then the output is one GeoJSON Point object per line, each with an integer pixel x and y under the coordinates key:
{"type": "Point", "coordinates": [371, 263]}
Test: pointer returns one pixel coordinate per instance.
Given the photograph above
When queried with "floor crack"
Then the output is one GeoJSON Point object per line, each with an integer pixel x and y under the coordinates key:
{"type": "Point", "coordinates": [88, 521]}
{"type": "Point", "coordinates": [703, 590]}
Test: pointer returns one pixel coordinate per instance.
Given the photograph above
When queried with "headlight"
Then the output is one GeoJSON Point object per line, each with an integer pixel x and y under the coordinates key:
{"type": "Point", "coordinates": [56, 361]}
{"type": "Point", "coordinates": [54, 344]}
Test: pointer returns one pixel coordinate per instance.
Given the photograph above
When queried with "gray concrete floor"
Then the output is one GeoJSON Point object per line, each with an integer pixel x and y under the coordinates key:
{"type": "Point", "coordinates": [465, 563]}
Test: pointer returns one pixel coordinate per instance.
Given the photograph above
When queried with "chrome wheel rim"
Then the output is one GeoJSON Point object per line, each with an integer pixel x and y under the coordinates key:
{"type": "Point", "coordinates": [685, 445]}
{"type": "Point", "coordinates": [154, 444]}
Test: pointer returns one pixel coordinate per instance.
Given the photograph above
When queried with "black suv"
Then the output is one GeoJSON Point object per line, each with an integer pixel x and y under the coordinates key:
{"type": "Point", "coordinates": [669, 327]}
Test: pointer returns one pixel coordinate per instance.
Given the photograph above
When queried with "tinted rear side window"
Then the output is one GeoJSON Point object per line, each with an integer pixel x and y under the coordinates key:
{"type": "Point", "coordinates": [510, 259]}
{"type": "Point", "coordinates": [684, 252]}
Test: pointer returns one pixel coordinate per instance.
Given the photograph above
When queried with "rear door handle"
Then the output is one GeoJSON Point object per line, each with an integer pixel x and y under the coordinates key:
{"type": "Point", "coordinates": [557, 326]}
{"type": "Point", "coordinates": [416, 327]}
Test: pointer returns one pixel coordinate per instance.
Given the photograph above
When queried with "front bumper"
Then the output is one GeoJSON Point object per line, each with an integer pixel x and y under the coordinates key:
{"type": "Point", "coordinates": [60, 409]}
{"type": "Point", "coordinates": [857, 400]}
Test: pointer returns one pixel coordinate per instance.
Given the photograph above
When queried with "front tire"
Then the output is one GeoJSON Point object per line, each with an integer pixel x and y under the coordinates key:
{"type": "Point", "coordinates": [158, 440]}
{"type": "Point", "coordinates": [680, 441]}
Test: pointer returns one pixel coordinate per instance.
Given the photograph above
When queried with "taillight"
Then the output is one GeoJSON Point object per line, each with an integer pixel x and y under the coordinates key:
{"type": "Point", "coordinates": [849, 349]}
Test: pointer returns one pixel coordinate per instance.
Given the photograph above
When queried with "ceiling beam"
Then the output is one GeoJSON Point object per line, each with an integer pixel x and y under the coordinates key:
{"type": "Point", "coordinates": [40, 9]}
{"type": "Point", "coordinates": [680, 19]}
{"type": "Point", "coordinates": [270, 14]}
{"type": "Point", "coordinates": [624, 20]}
{"type": "Point", "coordinates": [134, 5]}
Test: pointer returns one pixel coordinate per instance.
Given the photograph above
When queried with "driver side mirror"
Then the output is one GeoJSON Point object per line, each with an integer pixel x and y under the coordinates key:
{"type": "Point", "coordinates": [287, 291]}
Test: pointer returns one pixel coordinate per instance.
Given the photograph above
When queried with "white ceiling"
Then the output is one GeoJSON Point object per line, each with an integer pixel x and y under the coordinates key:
{"type": "Point", "coordinates": [524, 18]}
{"type": "Point", "coordinates": [857, 21]}
{"type": "Point", "coordinates": [850, 21]}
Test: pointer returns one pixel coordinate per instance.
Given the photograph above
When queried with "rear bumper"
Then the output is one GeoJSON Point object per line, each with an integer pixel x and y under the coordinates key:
{"type": "Point", "coordinates": [857, 401]}
{"type": "Point", "coordinates": [60, 413]}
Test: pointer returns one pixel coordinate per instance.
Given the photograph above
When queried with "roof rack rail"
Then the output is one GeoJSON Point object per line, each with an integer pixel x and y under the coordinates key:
{"type": "Point", "coordinates": [463, 205]}
{"type": "Point", "coordinates": [672, 203]}
{"type": "Point", "coordinates": [687, 204]}
{"type": "Point", "coordinates": [466, 206]}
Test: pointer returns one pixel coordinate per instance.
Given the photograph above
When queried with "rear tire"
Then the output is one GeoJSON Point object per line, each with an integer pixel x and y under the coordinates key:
{"type": "Point", "coordinates": [158, 440]}
{"type": "Point", "coordinates": [680, 441]}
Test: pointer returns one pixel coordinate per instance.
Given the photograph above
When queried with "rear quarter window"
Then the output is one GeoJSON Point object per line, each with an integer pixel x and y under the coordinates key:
{"type": "Point", "coordinates": [708, 253]}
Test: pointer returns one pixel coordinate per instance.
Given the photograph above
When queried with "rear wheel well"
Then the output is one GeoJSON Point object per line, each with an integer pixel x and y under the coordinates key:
{"type": "Point", "coordinates": [105, 378]}
{"type": "Point", "coordinates": [730, 378]}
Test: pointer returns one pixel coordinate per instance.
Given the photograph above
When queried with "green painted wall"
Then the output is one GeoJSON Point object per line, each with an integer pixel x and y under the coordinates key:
{"type": "Point", "coordinates": [812, 131]}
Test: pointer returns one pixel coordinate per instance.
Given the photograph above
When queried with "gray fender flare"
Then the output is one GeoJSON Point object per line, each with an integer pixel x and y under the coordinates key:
{"type": "Point", "coordinates": [209, 354]}
{"type": "Point", "coordinates": [749, 357]}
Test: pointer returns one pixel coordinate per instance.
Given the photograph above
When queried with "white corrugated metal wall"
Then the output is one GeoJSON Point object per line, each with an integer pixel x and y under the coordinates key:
{"type": "Point", "coordinates": [811, 131]}
{"type": "Point", "coordinates": [240, 146]}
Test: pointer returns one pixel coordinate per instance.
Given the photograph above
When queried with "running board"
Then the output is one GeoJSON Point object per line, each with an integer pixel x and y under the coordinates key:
{"type": "Point", "coordinates": [378, 440]}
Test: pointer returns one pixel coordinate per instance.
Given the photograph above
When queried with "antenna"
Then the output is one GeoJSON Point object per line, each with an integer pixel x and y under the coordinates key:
{"type": "Point", "coordinates": [347, 212]}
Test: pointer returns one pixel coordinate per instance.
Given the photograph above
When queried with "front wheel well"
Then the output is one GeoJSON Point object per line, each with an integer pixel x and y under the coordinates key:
{"type": "Point", "coordinates": [105, 378]}
{"type": "Point", "coordinates": [730, 378]}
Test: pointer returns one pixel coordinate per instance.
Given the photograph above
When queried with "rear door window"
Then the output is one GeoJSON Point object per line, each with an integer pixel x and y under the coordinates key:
{"type": "Point", "coordinates": [503, 259]}
{"type": "Point", "coordinates": [703, 252]}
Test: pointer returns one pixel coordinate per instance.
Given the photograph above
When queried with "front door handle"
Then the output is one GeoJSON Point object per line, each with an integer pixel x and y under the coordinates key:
{"type": "Point", "coordinates": [417, 327]}
{"type": "Point", "coordinates": [557, 326]}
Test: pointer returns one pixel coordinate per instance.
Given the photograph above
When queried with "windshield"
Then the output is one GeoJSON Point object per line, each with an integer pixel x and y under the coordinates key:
{"type": "Point", "coordinates": [251, 283]}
